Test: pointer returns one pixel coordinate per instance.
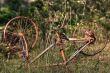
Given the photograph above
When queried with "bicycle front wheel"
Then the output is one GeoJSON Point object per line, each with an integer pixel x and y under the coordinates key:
{"type": "Point", "coordinates": [100, 34]}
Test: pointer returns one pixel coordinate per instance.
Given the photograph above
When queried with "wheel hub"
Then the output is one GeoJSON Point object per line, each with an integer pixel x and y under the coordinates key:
{"type": "Point", "coordinates": [20, 34]}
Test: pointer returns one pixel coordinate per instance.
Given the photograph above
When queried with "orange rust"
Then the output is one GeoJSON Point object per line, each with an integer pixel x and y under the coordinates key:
{"type": "Point", "coordinates": [63, 55]}
{"type": "Point", "coordinates": [20, 34]}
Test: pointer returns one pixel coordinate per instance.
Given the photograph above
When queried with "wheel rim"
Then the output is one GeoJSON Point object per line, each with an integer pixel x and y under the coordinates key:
{"type": "Point", "coordinates": [100, 35]}
{"type": "Point", "coordinates": [25, 26]}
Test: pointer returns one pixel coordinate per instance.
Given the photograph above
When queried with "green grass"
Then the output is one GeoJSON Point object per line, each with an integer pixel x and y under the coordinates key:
{"type": "Point", "coordinates": [94, 64]}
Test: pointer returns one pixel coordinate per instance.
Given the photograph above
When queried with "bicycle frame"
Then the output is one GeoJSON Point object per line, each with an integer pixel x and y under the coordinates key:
{"type": "Point", "coordinates": [70, 58]}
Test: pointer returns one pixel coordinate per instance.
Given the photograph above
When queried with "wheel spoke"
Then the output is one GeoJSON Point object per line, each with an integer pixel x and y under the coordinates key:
{"type": "Point", "coordinates": [25, 26]}
{"type": "Point", "coordinates": [100, 35]}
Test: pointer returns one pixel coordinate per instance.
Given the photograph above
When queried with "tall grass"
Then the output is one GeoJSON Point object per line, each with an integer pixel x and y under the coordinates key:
{"type": "Point", "coordinates": [96, 64]}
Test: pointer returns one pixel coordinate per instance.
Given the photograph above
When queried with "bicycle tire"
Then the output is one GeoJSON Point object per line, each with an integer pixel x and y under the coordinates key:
{"type": "Point", "coordinates": [24, 25]}
{"type": "Point", "coordinates": [100, 35]}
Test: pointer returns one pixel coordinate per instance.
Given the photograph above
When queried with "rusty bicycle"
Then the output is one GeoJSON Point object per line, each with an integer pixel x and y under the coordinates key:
{"type": "Point", "coordinates": [87, 39]}
{"type": "Point", "coordinates": [84, 41]}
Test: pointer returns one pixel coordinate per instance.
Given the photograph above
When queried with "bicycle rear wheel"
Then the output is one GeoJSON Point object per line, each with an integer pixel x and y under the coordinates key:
{"type": "Point", "coordinates": [23, 25]}
{"type": "Point", "coordinates": [100, 34]}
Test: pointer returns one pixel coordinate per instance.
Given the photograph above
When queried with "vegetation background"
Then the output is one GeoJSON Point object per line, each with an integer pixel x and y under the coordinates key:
{"type": "Point", "coordinates": [49, 14]}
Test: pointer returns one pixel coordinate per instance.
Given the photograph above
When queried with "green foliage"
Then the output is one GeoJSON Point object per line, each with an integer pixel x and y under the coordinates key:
{"type": "Point", "coordinates": [6, 14]}
{"type": "Point", "coordinates": [77, 10]}
{"type": "Point", "coordinates": [49, 14]}
{"type": "Point", "coordinates": [15, 4]}
{"type": "Point", "coordinates": [39, 4]}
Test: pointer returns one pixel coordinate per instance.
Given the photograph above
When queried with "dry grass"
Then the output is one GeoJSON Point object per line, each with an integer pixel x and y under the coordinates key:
{"type": "Point", "coordinates": [94, 64]}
